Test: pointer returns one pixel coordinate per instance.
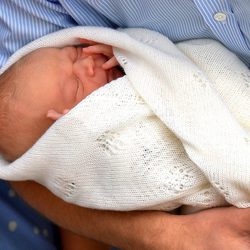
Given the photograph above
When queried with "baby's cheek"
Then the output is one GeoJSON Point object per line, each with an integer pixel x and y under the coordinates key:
{"type": "Point", "coordinates": [68, 95]}
{"type": "Point", "coordinates": [100, 77]}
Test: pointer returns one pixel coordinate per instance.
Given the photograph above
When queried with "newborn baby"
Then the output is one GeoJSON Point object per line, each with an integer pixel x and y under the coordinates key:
{"type": "Point", "coordinates": [43, 86]}
{"type": "Point", "coordinates": [172, 132]}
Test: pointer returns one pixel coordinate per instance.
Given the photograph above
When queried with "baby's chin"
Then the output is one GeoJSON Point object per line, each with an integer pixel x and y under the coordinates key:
{"type": "Point", "coordinates": [114, 73]}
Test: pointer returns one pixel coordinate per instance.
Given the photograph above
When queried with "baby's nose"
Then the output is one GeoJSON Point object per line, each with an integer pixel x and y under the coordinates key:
{"type": "Point", "coordinates": [84, 67]}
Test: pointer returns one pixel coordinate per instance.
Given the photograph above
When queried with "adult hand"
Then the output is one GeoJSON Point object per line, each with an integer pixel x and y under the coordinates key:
{"type": "Point", "coordinates": [219, 228]}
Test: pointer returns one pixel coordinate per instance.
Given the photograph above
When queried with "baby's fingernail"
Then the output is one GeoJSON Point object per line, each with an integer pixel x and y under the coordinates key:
{"type": "Point", "coordinates": [85, 50]}
{"type": "Point", "coordinates": [50, 112]}
{"type": "Point", "coordinates": [65, 111]}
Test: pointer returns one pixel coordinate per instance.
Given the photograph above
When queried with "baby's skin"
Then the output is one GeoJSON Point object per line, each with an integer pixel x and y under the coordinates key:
{"type": "Point", "coordinates": [49, 82]}
{"type": "Point", "coordinates": [94, 67]}
{"type": "Point", "coordinates": [42, 87]}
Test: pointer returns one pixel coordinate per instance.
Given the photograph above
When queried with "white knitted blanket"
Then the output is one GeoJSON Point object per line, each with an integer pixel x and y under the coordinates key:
{"type": "Point", "coordinates": [174, 131]}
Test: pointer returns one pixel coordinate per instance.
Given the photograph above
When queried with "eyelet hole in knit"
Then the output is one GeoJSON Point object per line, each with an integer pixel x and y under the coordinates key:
{"type": "Point", "coordinates": [246, 78]}
{"type": "Point", "coordinates": [148, 40]}
{"type": "Point", "coordinates": [198, 78]}
{"type": "Point", "coordinates": [138, 100]}
{"type": "Point", "coordinates": [109, 142]}
{"type": "Point", "coordinates": [66, 186]}
{"type": "Point", "coordinates": [124, 61]}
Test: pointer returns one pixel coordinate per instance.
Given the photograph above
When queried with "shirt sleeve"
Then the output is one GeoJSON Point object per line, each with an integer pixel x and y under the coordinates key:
{"type": "Point", "coordinates": [24, 21]}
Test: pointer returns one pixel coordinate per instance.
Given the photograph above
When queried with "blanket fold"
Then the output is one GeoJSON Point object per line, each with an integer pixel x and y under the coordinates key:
{"type": "Point", "coordinates": [174, 131]}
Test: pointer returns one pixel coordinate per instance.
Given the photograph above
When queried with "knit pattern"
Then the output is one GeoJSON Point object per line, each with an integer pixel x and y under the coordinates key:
{"type": "Point", "coordinates": [175, 131]}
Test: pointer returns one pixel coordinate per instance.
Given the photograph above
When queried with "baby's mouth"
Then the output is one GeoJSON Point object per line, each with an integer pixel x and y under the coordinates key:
{"type": "Point", "coordinates": [114, 73]}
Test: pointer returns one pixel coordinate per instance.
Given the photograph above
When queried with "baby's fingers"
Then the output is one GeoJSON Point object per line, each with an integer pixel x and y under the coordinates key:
{"type": "Point", "coordinates": [99, 49]}
{"type": "Point", "coordinates": [83, 40]}
{"type": "Point", "coordinates": [111, 63]}
{"type": "Point", "coordinates": [54, 115]}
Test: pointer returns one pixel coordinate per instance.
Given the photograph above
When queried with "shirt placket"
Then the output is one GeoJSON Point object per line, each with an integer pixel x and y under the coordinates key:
{"type": "Point", "coordinates": [219, 16]}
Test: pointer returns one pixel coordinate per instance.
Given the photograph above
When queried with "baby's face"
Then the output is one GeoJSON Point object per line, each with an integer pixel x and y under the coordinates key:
{"type": "Point", "coordinates": [51, 79]}
{"type": "Point", "coordinates": [59, 78]}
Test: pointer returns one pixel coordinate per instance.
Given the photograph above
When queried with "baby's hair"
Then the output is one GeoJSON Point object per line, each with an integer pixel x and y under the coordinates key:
{"type": "Point", "coordinates": [10, 124]}
{"type": "Point", "coordinates": [7, 91]}
{"type": "Point", "coordinates": [17, 127]}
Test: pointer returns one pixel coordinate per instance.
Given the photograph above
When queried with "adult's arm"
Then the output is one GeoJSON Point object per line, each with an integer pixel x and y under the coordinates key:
{"type": "Point", "coordinates": [221, 228]}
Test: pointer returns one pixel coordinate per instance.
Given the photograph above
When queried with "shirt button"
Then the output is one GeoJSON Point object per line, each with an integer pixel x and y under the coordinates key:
{"type": "Point", "coordinates": [220, 16]}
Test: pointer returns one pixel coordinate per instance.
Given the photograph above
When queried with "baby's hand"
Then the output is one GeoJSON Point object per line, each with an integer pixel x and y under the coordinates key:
{"type": "Point", "coordinates": [54, 115]}
{"type": "Point", "coordinates": [106, 50]}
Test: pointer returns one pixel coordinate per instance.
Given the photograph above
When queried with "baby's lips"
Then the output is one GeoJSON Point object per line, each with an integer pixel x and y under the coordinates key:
{"type": "Point", "coordinates": [113, 74]}
{"type": "Point", "coordinates": [119, 72]}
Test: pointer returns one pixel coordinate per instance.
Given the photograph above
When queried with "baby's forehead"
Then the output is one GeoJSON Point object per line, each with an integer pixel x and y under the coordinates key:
{"type": "Point", "coordinates": [43, 51]}
{"type": "Point", "coordinates": [40, 56]}
{"type": "Point", "coordinates": [36, 56]}
{"type": "Point", "coordinates": [48, 51]}
{"type": "Point", "coordinates": [34, 63]}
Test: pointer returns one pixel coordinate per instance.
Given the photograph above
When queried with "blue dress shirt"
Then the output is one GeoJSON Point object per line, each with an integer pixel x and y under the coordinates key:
{"type": "Point", "coordinates": [22, 21]}
{"type": "Point", "coordinates": [227, 21]}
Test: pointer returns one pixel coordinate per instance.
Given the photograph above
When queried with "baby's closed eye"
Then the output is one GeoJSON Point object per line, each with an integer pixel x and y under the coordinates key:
{"type": "Point", "coordinates": [70, 90]}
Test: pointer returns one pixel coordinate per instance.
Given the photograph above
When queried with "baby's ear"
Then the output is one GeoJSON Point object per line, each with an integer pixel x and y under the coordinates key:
{"type": "Point", "coordinates": [54, 115]}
